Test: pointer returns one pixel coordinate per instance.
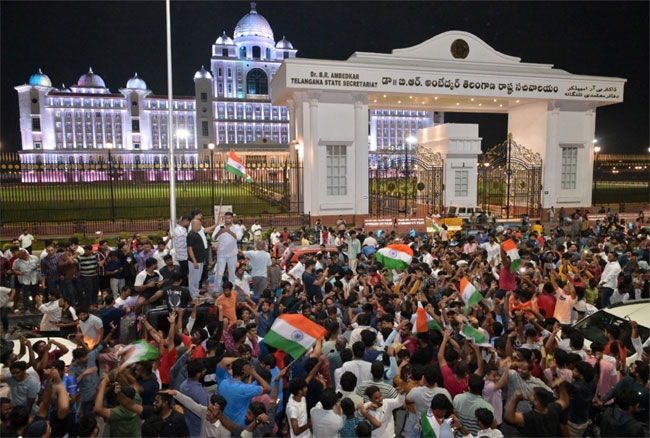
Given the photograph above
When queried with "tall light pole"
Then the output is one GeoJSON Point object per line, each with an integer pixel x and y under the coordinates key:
{"type": "Point", "coordinates": [410, 141]}
{"type": "Point", "coordinates": [170, 121]}
{"type": "Point", "coordinates": [596, 150]}
{"type": "Point", "coordinates": [109, 148]}
{"type": "Point", "coordinates": [211, 147]}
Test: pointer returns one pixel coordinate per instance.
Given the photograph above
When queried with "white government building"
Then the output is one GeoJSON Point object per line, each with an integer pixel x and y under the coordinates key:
{"type": "Point", "coordinates": [261, 101]}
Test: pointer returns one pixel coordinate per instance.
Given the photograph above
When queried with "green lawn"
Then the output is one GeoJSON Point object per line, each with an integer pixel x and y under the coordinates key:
{"type": "Point", "coordinates": [92, 201]}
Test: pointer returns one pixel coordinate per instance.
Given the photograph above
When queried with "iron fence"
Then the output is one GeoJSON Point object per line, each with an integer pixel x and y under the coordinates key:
{"type": "Point", "coordinates": [97, 188]}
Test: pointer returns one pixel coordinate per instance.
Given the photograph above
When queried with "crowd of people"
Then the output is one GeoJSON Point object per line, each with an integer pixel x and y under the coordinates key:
{"type": "Point", "coordinates": [469, 334]}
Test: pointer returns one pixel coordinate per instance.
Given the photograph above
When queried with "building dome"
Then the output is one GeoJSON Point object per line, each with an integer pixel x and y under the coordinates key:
{"type": "Point", "coordinates": [284, 44]}
{"type": "Point", "coordinates": [253, 24]}
{"type": "Point", "coordinates": [224, 40]}
{"type": "Point", "coordinates": [40, 79]}
{"type": "Point", "coordinates": [91, 79]}
{"type": "Point", "coordinates": [135, 83]}
{"type": "Point", "coordinates": [202, 74]}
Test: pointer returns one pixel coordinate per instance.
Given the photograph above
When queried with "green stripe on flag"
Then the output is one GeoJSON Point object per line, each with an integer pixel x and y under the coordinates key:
{"type": "Point", "coordinates": [432, 324]}
{"type": "Point", "coordinates": [471, 332]}
{"type": "Point", "coordinates": [275, 340]}
{"type": "Point", "coordinates": [427, 429]}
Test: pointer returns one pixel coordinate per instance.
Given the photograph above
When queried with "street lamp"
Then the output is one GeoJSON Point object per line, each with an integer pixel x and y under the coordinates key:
{"type": "Point", "coordinates": [410, 141]}
{"type": "Point", "coordinates": [596, 150]}
{"type": "Point", "coordinates": [211, 147]}
{"type": "Point", "coordinates": [109, 148]}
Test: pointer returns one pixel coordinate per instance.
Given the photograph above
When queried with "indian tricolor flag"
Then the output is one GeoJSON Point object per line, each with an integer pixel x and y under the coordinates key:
{"type": "Point", "coordinates": [470, 295]}
{"type": "Point", "coordinates": [425, 322]}
{"type": "Point", "coordinates": [137, 351]}
{"type": "Point", "coordinates": [470, 332]}
{"type": "Point", "coordinates": [396, 256]}
{"type": "Point", "coordinates": [432, 225]}
{"type": "Point", "coordinates": [510, 247]}
{"type": "Point", "coordinates": [235, 165]}
{"type": "Point", "coordinates": [294, 334]}
{"type": "Point", "coordinates": [430, 426]}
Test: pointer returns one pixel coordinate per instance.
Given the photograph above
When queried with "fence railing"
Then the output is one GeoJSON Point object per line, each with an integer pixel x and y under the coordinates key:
{"type": "Point", "coordinates": [97, 189]}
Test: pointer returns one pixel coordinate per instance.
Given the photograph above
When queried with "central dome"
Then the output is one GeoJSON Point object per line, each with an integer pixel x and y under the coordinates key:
{"type": "Point", "coordinates": [253, 24]}
{"type": "Point", "coordinates": [91, 79]}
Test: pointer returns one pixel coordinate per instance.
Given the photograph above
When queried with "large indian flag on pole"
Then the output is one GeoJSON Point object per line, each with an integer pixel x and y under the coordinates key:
{"type": "Point", "coordinates": [396, 256]}
{"type": "Point", "coordinates": [235, 165]}
{"type": "Point", "coordinates": [294, 334]}
{"type": "Point", "coordinates": [510, 247]}
{"type": "Point", "coordinates": [470, 295]}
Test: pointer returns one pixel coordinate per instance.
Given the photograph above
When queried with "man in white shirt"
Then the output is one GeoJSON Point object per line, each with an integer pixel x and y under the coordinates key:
{"type": "Point", "coordinates": [379, 412]}
{"type": "Point", "coordinates": [160, 253]}
{"type": "Point", "coordinates": [226, 236]}
{"type": "Point", "coordinates": [324, 421]}
{"type": "Point", "coordinates": [180, 245]}
{"type": "Point", "coordinates": [256, 230]}
{"type": "Point", "coordinates": [370, 240]}
{"type": "Point", "coordinates": [299, 424]}
{"type": "Point", "coordinates": [609, 279]}
{"type": "Point", "coordinates": [26, 240]}
{"type": "Point", "coordinates": [493, 250]}
{"type": "Point", "coordinates": [260, 261]}
{"type": "Point", "coordinates": [357, 366]}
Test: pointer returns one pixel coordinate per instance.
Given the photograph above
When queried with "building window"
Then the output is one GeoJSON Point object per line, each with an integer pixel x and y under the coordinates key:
{"type": "Point", "coordinates": [242, 52]}
{"type": "Point", "coordinates": [204, 129]}
{"type": "Point", "coordinates": [461, 187]}
{"type": "Point", "coordinates": [229, 72]}
{"type": "Point", "coordinates": [286, 55]}
{"type": "Point", "coordinates": [36, 123]}
{"type": "Point", "coordinates": [257, 82]}
{"type": "Point", "coordinates": [569, 167]}
{"type": "Point", "coordinates": [224, 52]}
{"type": "Point", "coordinates": [220, 72]}
{"type": "Point", "coordinates": [268, 53]}
{"type": "Point", "coordinates": [135, 125]}
{"type": "Point", "coordinates": [336, 162]}
{"type": "Point", "coordinates": [204, 97]}
{"type": "Point", "coordinates": [256, 52]}
{"type": "Point", "coordinates": [229, 89]}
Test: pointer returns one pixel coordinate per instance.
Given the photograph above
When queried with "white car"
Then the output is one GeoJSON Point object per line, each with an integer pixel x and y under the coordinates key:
{"type": "Point", "coordinates": [593, 326]}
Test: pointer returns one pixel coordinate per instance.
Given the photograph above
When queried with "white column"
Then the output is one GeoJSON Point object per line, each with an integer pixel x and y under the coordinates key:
{"type": "Point", "coordinates": [360, 149]}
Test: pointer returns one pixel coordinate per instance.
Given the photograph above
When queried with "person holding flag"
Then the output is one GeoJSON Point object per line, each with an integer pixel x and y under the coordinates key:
{"type": "Point", "coordinates": [507, 279]}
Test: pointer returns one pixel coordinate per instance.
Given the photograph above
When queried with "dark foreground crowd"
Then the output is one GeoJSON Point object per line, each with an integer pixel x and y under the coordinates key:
{"type": "Point", "coordinates": [471, 338]}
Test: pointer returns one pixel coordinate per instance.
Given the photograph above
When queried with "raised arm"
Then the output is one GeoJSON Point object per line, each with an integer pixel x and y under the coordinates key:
{"type": "Point", "coordinates": [443, 346]}
{"type": "Point", "coordinates": [99, 400]}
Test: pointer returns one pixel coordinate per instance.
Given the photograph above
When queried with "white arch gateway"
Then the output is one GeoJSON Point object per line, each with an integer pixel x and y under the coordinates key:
{"type": "Point", "coordinates": [550, 111]}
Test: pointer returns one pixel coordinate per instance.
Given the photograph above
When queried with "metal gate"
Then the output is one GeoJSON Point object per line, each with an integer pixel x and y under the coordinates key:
{"type": "Point", "coordinates": [510, 180]}
{"type": "Point", "coordinates": [405, 180]}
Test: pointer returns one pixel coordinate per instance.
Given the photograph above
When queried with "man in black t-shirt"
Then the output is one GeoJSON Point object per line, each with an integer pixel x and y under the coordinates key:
{"type": "Point", "coordinates": [545, 418]}
{"type": "Point", "coordinates": [174, 424]}
{"type": "Point", "coordinates": [197, 253]}
{"type": "Point", "coordinates": [177, 296]}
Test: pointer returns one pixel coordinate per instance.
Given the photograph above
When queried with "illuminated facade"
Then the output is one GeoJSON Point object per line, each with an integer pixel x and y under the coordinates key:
{"type": "Point", "coordinates": [231, 108]}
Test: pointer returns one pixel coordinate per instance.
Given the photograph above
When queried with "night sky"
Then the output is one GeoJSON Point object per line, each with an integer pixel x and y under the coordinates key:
{"type": "Point", "coordinates": [117, 39]}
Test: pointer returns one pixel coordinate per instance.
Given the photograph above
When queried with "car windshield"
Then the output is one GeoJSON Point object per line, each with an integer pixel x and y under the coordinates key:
{"type": "Point", "coordinates": [593, 328]}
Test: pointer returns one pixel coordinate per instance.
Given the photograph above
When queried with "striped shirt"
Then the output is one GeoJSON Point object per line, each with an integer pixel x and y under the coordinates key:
{"type": "Point", "coordinates": [87, 265]}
